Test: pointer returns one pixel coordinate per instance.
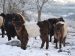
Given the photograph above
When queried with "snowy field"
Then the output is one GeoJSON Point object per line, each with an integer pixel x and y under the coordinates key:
{"type": "Point", "coordinates": [11, 48]}
{"type": "Point", "coordinates": [56, 8]}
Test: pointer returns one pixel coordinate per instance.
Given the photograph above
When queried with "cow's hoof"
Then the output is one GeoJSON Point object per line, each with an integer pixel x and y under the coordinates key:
{"type": "Point", "coordinates": [60, 50]}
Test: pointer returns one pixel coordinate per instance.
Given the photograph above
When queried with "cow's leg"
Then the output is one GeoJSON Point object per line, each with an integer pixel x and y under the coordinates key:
{"type": "Point", "coordinates": [60, 44]}
{"type": "Point", "coordinates": [47, 41]}
{"type": "Point", "coordinates": [56, 44]}
{"type": "Point", "coordinates": [55, 40]}
{"type": "Point", "coordinates": [42, 44]}
{"type": "Point", "coordinates": [50, 37]}
{"type": "Point", "coordinates": [35, 38]}
{"type": "Point", "coordinates": [47, 44]}
{"type": "Point", "coordinates": [9, 37]}
{"type": "Point", "coordinates": [24, 42]}
{"type": "Point", "coordinates": [43, 41]}
{"type": "Point", "coordinates": [64, 41]}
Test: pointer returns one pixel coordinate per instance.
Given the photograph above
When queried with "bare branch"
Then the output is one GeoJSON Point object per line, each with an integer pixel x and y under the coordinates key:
{"type": "Point", "coordinates": [40, 5]}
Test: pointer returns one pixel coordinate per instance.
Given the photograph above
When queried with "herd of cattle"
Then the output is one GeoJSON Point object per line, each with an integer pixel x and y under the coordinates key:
{"type": "Point", "coordinates": [15, 25]}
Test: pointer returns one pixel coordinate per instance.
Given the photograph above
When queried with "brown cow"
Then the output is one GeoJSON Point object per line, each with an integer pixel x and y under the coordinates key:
{"type": "Point", "coordinates": [60, 33]}
{"type": "Point", "coordinates": [53, 21]}
{"type": "Point", "coordinates": [25, 30]}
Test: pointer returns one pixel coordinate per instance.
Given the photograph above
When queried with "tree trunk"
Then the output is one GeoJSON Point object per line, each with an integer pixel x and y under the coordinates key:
{"type": "Point", "coordinates": [39, 15]}
{"type": "Point", "coordinates": [4, 11]}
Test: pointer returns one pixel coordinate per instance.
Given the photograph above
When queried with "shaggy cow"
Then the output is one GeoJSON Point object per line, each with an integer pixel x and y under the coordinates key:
{"type": "Point", "coordinates": [60, 33]}
{"type": "Point", "coordinates": [53, 21]}
{"type": "Point", "coordinates": [8, 26]}
{"type": "Point", "coordinates": [25, 30]}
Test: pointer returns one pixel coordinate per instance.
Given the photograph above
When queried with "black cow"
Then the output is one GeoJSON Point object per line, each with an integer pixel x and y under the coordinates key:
{"type": "Point", "coordinates": [8, 26]}
{"type": "Point", "coordinates": [52, 22]}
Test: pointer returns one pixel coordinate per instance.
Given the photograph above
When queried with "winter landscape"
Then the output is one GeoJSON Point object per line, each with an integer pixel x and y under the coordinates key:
{"type": "Point", "coordinates": [53, 8]}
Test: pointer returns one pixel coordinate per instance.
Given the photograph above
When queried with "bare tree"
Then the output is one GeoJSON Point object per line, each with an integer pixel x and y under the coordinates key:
{"type": "Point", "coordinates": [40, 4]}
{"type": "Point", "coordinates": [23, 2]}
{"type": "Point", "coordinates": [4, 11]}
{"type": "Point", "coordinates": [17, 7]}
{"type": "Point", "coordinates": [22, 5]}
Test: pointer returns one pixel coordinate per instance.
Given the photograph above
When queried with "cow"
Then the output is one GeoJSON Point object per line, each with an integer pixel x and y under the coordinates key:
{"type": "Point", "coordinates": [60, 34]}
{"type": "Point", "coordinates": [52, 22]}
{"type": "Point", "coordinates": [8, 26]}
{"type": "Point", "coordinates": [26, 30]}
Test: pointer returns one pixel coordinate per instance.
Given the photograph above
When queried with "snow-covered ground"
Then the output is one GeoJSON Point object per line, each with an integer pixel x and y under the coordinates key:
{"type": "Point", "coordinates": [54, 8]}
{"type": "Point", "coordinates": [11, 48]}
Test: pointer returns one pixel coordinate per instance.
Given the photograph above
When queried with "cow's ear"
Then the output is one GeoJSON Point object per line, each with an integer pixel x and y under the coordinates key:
{"type": "Point", "coordinates": [2, 14]}
{"type": "Point", "coordinates": [61, 19]}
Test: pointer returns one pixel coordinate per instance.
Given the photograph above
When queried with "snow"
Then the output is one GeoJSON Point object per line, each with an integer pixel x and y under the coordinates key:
{"type": "Point", "coordinates": [54, 9]}
{"type": "Point", "coordinates": [12, 47]}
